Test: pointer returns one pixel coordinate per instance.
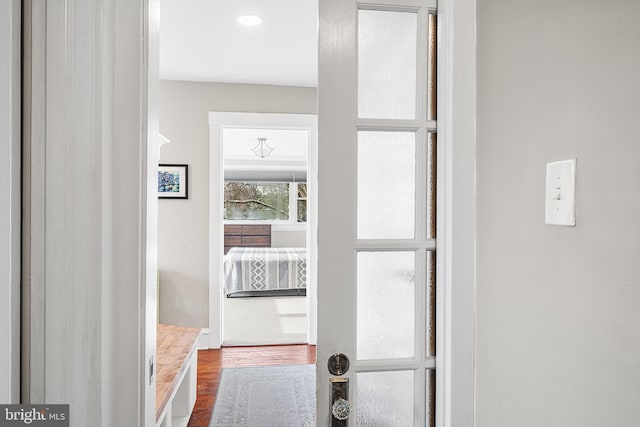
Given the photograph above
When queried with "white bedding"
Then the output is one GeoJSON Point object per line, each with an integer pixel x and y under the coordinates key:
{"type": "Point", "coordinates": [264, 270]}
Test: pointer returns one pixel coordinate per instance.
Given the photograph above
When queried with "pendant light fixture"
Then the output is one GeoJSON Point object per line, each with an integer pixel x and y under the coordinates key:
{"type": "Point", "coordinates": [262, 149]}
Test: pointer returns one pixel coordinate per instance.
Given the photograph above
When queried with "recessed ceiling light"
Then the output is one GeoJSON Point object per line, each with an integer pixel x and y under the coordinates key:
{"type": "Point", "coordinates": [250, 20]}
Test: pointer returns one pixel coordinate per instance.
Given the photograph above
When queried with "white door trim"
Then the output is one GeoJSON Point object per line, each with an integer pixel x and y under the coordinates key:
{"type": "Point", "coordinates": [10, 215]}
{"type": "Point", "coordinates": [457, 215]}
{"type": "Point", "coordinates": [217, 121]}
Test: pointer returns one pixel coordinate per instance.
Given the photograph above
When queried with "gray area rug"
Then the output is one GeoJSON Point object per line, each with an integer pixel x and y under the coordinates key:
{"type": "Point", "coordinates": [269, 396]}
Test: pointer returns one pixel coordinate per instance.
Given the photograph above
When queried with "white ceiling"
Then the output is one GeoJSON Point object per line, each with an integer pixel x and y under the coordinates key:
{"type": "Point", "coordinates": [201, 40]}
{"type": "Point", "coordinates": [290, 148]}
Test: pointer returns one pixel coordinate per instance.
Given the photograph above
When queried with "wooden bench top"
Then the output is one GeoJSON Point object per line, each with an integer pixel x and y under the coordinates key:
{"type": "Point", "coordinates": [176, 344]}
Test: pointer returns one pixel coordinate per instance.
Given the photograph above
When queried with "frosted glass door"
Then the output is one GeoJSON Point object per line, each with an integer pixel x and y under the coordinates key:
{"type": "Point", "coordinates": [385, 399]}
{"type": "Point", "coordinates": [386, 305]}
{"type": "Point", "coordinates": [387, 64]}
{"type": "Point", "coordinates": [377, 212]}
{"type": "Point", "coordinates": [386, 185]}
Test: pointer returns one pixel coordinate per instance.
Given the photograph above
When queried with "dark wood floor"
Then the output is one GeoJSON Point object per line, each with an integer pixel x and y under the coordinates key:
{"type": "Point", "coordinates": [211, 362]}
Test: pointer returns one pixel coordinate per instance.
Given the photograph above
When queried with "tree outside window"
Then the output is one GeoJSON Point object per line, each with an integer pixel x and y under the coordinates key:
{"type": "Point", "coordinates": [265, 201]}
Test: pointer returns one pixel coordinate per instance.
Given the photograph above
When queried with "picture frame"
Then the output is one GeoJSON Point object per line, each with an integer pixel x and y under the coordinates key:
{"type": "Point", "coordinates": [173, 181]}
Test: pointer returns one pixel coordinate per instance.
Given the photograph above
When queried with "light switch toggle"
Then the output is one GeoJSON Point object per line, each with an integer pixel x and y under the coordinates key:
{"type": "Point", "coordinates": [560, 204]}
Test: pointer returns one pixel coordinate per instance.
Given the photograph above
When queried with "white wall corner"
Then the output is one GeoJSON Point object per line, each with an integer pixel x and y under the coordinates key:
{"type": "Point", "coordinates": [203, 340]}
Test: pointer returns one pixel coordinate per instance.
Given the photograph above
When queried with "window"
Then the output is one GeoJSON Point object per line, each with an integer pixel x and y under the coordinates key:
{"type": "Point", "coordinates": [272, 202]}
{"type": "Point", "coordinates": [302, 202]}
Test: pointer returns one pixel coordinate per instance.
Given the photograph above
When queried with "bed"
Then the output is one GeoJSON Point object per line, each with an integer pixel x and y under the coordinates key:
{"type": "Point", "coordinates": [253, 269]}
{"type": "Point", "coordinates": [265, 272]}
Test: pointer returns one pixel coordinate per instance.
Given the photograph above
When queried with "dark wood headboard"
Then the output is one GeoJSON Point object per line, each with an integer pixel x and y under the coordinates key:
{"type": "Point", "coordinates": [247, 236]}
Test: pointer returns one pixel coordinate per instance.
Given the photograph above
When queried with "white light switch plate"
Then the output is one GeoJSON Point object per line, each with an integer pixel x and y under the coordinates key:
{"type": "Point", "coordinates": [560, 207]}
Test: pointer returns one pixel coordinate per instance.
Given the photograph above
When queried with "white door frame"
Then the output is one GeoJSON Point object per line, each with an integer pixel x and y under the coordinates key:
{"type": "Point", "coordinates": [217, 122]}
{"type": "Point", "coordinates": [456, 266]}
{"type": "Point", "coordinates": [10, 215]}
{"type": "Point", "coordinates": [91, 183]}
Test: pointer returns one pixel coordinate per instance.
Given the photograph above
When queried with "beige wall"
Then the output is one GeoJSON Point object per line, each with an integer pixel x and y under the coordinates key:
{"type": "Point", "coordinates": [558, 308]}
{"type": "Point", "coordinates": [183, 224]}
{"type": "Point", "coordinates": [288, 239]}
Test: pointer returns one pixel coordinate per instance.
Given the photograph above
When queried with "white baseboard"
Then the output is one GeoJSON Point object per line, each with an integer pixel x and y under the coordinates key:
{"type": "Point", "coordinates": [203, 341]}
{"type": "Point", "coordinates": [272, 340]}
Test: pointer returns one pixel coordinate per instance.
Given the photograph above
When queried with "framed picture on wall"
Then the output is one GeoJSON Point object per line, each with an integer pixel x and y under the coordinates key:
{"type": "Point", "coordinates": [173, 181]}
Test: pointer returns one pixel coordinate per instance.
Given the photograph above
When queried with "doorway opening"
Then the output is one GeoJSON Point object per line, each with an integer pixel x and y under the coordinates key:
{"type": "Point", "coordinates": [266, 68]}
{"type": "Point", "coordinates": [210, 62]}
{"type": "Point", "coordinates": [263, 278]}
{"type": "Point", "coordinates": [369, 271]}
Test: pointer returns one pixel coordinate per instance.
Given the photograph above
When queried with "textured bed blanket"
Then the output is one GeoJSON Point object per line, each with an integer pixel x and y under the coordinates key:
{"type": "Point", "coordinates": [265, 269]}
